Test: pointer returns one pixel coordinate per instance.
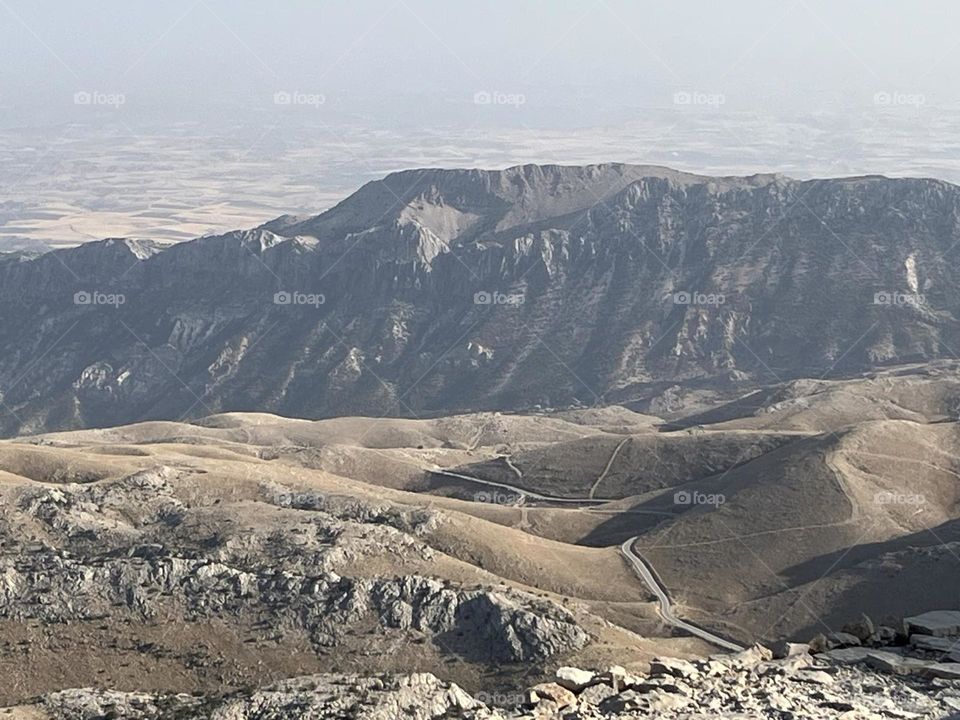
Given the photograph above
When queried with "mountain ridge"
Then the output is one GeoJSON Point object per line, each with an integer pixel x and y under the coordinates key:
{"type": "Point", "coordinates": [534, 285]}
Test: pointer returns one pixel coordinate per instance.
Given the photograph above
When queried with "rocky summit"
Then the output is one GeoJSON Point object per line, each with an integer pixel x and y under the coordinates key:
{"type": "Point", "coordinates": [750, 684]}
{"type": "Point", "coordinates": [431, 291]}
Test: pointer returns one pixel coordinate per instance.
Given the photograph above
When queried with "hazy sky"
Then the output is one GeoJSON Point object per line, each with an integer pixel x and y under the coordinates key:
{"type": "Point", "coordinates": [406, 60]}
{"type": "Point", "coordinates": [171, 119]}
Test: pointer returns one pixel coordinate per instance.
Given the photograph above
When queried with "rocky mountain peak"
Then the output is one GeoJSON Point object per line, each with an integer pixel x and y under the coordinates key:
{"type": "Point", "coordinates": [459, 205]}
{"type": "Point", "coordinates": [659, 276]}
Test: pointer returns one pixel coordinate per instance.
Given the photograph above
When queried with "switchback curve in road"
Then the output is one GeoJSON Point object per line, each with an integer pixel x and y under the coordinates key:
{"type": "Point", "coordinates": [637, 563]}
{"type": "Point", "coordinates": [642, 569]}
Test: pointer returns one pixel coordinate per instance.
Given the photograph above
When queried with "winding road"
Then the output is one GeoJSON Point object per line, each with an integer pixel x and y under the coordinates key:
{"type": "Point", "coordinates": [640, 566]}
{"type": "Point", "coordinates": [517, 490]}
{"type": "Point", "coordinates": [645, 572]}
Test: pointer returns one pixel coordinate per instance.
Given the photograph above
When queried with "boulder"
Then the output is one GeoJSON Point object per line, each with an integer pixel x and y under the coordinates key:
{"type": "Point", "coordinates": [794, 663]}
{"type": "Point", "coordinates": [663, 684]}
{"type": "Point", "coordinates": [574, 678]}
{"type": "Point", "coordinates": [616, 675]}
{"type": "Point", "coordinates": [886, 635]}
{"type": "Point", "coordinates": [660, 702]}
{"type": "Point", "coordinates": [595, 694]}
{"type": "Point", "coordinates": [844, 656]}
{"type": "Point", "coordinates": [627, 701]}
{"type": "Point", "coordinates": [895, 664]}
{"type": "Point", "coordinates": [940, 623]}
{"type": "Point", "coordinates": [556, 694]}
{"type": "Point", "coordinates": [841, 706]}
{"type": "Point", "coordinates": [818, 643]}
{"type": "Point", "coordinates": [746, 658]}
{"type": "Point", "coordinates": [864, 629]}
{"type": "Point", "coordinates": [712, 668]}
{"type": "Point", "coordinates": [783, 649]}
{"type": "Point", "coordinates": [674, 667]}
{"type": "Point", "coordinates": [842, 640]}
{"type": "Point", "coordinates": [813, 677]}
{"type": "Point", "coordinates": [946, 671]}
{"type": "Point", "coordinates": [933, 643]}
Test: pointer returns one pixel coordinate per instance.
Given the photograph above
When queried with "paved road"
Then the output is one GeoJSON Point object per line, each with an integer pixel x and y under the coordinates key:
{"type": "Point", "coordinates": [639, 565]}
{"type": "Point", "coordinates": [642, 569]}
{"type": "Point", "coordinates": [519, 491]}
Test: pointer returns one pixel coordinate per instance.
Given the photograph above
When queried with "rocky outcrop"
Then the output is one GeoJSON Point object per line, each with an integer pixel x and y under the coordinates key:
{"type": "Point", "coordinates": [494, 626]}
{"type": "Point", "coordinates": [723, 687]}
{"type": "Point", "coordinates": [136, 552]}
{"type": "Point", "coordinates": [747, 684]}
{"type": "Point", "coordinates": [925, 646]}
{"type": "Point", "coordinates": [939, 623]}
{"type": "Point", "coordinates": [417, 697]}
{"type": "Point", "coordinates": [504, 289]}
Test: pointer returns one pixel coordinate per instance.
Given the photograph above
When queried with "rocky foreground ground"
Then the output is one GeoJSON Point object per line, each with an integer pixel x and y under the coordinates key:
{"type": "Point", "coordinates": [855, 680]}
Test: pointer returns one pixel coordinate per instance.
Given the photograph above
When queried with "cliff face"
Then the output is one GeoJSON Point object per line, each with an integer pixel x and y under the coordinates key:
{"type": "Point", "coordinates": [441, 290]}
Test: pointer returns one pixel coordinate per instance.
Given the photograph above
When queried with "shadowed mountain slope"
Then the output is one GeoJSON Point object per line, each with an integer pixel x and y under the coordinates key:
{"type": "Point", "coordinates": [437, 291]}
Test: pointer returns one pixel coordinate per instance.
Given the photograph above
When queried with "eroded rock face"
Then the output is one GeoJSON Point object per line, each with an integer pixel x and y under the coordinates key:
{"type": "Point", "coordinates": [634, 275]}
{"type": "Point", "coordinates": [498, 626]}
{"type": "Point", "coordinates": [120, 557]}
